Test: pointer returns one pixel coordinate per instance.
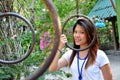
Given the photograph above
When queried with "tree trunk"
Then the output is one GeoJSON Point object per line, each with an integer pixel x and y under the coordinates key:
{"type": "Point", "coordinates": [6, 6]}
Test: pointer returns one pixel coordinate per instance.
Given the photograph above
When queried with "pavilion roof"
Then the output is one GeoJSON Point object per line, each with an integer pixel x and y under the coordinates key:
{"type": "Point", "coordinates": [103, 9]}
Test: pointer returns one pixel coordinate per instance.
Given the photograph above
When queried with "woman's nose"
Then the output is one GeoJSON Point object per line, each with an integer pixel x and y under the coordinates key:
{"type": "Point", "coordinates": [77, 35]}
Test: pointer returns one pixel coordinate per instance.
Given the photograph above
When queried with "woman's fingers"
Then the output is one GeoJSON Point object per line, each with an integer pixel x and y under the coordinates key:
{"type": "Point", "coordinates": [63, 39]}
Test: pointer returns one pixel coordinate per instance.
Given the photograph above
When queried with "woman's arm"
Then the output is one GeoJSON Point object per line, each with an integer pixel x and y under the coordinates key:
{"type": "Point", "coordinates": [106, 71]}
{"type": "Point", "coordinates": [59, 63]}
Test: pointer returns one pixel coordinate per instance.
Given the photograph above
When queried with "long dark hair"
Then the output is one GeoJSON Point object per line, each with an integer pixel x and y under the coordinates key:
{"type": "Point", "coordinates": [89, 27]}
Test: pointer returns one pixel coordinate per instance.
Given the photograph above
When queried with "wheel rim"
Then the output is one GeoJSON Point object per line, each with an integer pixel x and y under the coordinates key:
{"type": "Point", "coordinates": [57, 28]}
{"type": "Point", "coordinates": [33, 37]}
{"type": "Point", "coordinates": [94, 38]}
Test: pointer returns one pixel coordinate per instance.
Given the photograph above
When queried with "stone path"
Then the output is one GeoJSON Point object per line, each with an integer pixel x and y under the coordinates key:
{"type": "Point", "coordinates": [115, 66]}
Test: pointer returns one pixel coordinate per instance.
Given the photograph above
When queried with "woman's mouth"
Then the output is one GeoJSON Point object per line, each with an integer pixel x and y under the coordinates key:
{"type": "Point", "coordinates": [77, 40]}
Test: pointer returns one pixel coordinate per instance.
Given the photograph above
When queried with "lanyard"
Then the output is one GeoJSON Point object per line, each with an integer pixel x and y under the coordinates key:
{"type": "Point", "coordinates": [81, 69]}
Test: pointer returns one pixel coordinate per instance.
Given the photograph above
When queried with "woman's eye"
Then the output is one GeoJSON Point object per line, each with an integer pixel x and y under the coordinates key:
{"type": "Point", "coordinates": [82, 32]}
{"type": "Point", "coordinates": [75, 32]}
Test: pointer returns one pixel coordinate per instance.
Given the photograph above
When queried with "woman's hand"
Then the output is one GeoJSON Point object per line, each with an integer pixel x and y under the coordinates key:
{"type": "Point", "coordinates": [59, 63]}
{"type": "Point", "coordinates": [63, 40]}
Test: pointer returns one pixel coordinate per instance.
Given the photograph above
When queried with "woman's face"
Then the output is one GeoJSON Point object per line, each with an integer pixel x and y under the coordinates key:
{"type": "Point", "coordinates": [80, 36]}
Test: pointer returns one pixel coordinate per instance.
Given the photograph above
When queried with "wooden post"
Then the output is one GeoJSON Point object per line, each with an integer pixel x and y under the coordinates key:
{"type": "Point", "coordinates": [114, 35]}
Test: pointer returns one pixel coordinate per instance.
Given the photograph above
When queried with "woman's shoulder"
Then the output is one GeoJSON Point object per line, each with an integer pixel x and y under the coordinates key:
{"type": "Point", "coordinates": [67, 54]}
{"type": "Point", "coordinates": [100, 52]}
{"type": "Point", "coordinates": [69, 51]}
{"type": "Point", "coordinates": [102, 57]}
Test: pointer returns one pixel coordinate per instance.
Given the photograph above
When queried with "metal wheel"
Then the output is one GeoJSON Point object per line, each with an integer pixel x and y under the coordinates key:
{"type": "Point", "coordinates": [77, 16]}
{"type": "Point", "coordinates": [57, 28]}
{"type": "Point", "coordinates": [6, 17]}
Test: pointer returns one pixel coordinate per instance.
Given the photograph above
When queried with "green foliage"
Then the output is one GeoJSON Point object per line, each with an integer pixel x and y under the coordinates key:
{"type": "Point", "coordinates": [105, 36]}
{"type": "Point", "coordinates": [47, 73]}
{"type": "Point", "coordinates": [8, 72]}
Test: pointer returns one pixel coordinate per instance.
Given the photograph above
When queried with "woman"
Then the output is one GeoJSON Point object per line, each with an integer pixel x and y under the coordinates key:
{"type": "Point", "coordinates": [87, 64]}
